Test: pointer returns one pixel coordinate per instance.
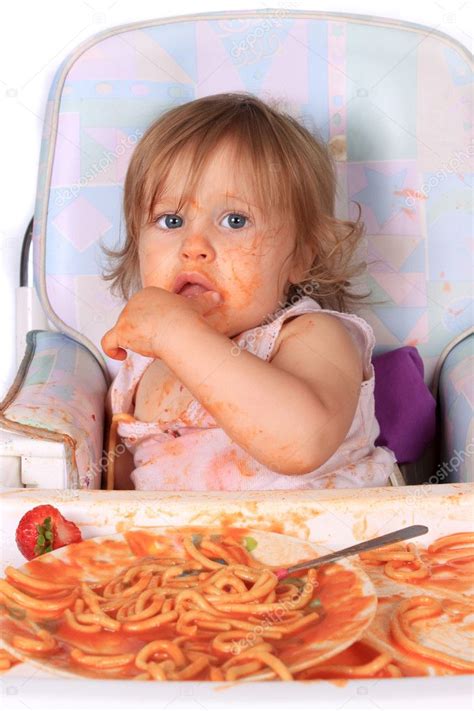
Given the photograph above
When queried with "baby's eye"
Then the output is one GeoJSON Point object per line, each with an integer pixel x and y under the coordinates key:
{"type": "Point", "coordinates": [236, 220]}
{"type": "Point", "coordinates": [171, 221]}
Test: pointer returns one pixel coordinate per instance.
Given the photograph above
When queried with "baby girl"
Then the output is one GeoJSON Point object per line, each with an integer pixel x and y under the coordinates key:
{"type": "Point", "coordinates": [243, 367]}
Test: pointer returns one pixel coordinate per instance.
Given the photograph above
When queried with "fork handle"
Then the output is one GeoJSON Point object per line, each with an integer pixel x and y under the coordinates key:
{"type": "Point", "coordinates": [401, 535]}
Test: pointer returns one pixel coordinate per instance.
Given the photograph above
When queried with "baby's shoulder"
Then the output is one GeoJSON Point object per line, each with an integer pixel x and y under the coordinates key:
{"type": "Point", "coordinates": [301, 323]}
{"type": "Point", "coordinates": [319, 334]}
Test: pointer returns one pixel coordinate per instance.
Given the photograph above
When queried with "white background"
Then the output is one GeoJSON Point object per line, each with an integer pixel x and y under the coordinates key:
{"type": "Point", "coordinates": [36, 35]}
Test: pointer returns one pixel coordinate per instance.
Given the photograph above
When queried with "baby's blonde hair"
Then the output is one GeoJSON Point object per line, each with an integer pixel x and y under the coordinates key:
{"type": "Point", "coordinates": [293, 173]}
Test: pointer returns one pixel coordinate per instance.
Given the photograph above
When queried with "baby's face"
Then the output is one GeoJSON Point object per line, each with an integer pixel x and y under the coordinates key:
{"type": "Point", "coordinates": [221, 234]}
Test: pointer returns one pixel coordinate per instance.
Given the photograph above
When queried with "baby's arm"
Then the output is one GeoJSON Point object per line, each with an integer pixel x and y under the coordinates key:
{"type": "Point", "coordinates": [290, 414]}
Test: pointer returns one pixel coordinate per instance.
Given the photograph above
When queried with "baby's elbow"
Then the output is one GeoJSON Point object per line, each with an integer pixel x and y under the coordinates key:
{"type": "Point", "coordinates": [299, 467]}
{"type": "Point", "coordinates": [308, 458]}
{"type": "Point", "coordinates": [297, 464]}
{"type": "Point", "coordinates": [308, 451]}
{"type": "Point", "coordinates": [319, 448]}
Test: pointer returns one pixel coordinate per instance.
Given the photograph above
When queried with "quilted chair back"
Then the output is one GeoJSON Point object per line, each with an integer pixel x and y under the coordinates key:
{"type": "Point", "coordinates": [392, 99]}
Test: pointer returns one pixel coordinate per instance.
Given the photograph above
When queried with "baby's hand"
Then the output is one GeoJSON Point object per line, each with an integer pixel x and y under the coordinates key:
{"type": "Point", "coordinates": [149, 316]}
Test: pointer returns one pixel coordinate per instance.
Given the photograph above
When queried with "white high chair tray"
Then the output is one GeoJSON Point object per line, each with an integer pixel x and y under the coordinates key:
{"type": "Point", "coordinates": [330, 518]}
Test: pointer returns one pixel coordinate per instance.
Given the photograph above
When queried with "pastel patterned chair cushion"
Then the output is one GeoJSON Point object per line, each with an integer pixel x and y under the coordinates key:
{"type": "Point", "coordinates": [404, 406]}
{"type": "Point", "coordinates": [391, 98]}
{"type": "Point", "coordinates": [456, 401]}
{"type": "Point", "coordinates": [59, 395]}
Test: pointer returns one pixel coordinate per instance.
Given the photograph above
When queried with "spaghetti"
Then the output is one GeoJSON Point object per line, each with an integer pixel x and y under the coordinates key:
{"type": "Point", "coordinates": [214, 613]}
{"type": "Point", "coordinates": [445, 567]}
{"type": "Point", "coordinates": [210, 611]}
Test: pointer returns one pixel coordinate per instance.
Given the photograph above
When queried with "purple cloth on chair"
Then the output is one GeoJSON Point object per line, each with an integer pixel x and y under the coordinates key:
{"type": "Point", "coordinates": [404, 406]}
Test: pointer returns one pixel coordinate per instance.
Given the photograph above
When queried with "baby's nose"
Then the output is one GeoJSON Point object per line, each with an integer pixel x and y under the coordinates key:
{"type": "Point", "coordinates": [197, 248]}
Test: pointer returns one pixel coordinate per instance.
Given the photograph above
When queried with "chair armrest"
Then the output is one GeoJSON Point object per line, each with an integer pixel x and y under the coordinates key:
{"type": "Point", "coordinates": [456, 398]}
{"type": "Point", "coordinates": [58, 395]}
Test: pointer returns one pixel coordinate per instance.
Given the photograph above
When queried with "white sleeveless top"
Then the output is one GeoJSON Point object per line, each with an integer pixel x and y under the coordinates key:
{"type": "Point", "coordinates": [192, 453]}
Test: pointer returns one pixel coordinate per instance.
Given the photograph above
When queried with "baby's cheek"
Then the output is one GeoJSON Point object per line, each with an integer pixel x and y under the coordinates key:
{"type": "Point", "coordinates": [154, 263]}
{"type": "Point", "coordinates": [148, 273]}
{"type": "Point", "coordinates": [246, 282]}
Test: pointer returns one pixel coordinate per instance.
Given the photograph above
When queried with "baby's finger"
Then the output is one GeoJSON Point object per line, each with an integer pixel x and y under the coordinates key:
{"type": "Point", "coordinates": [118, 354]}
{"type": "Point", "coordinates": [206, 301]}
{"type": "Point", "coordinates": [110, 346]}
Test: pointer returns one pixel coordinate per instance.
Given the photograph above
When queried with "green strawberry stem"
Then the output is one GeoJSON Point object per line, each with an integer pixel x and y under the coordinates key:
{"type": "Point", "coordinates": [44, 543]}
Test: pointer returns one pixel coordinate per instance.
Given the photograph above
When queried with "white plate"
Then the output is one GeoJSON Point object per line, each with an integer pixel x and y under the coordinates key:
{"type": "Point", "coordinates": [98, 559]}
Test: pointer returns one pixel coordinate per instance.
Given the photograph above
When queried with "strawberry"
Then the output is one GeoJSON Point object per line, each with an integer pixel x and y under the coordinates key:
{"type": "Point", "coordinates": [43, 529]}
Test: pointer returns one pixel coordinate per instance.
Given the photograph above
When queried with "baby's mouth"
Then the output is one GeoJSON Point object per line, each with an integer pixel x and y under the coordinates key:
{"type": "Point", "coordinates": [191, 291]}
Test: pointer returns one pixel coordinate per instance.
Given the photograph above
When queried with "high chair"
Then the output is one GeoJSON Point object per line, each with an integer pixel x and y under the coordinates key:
{"type": "Point", "coordinates": [392, 100]}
